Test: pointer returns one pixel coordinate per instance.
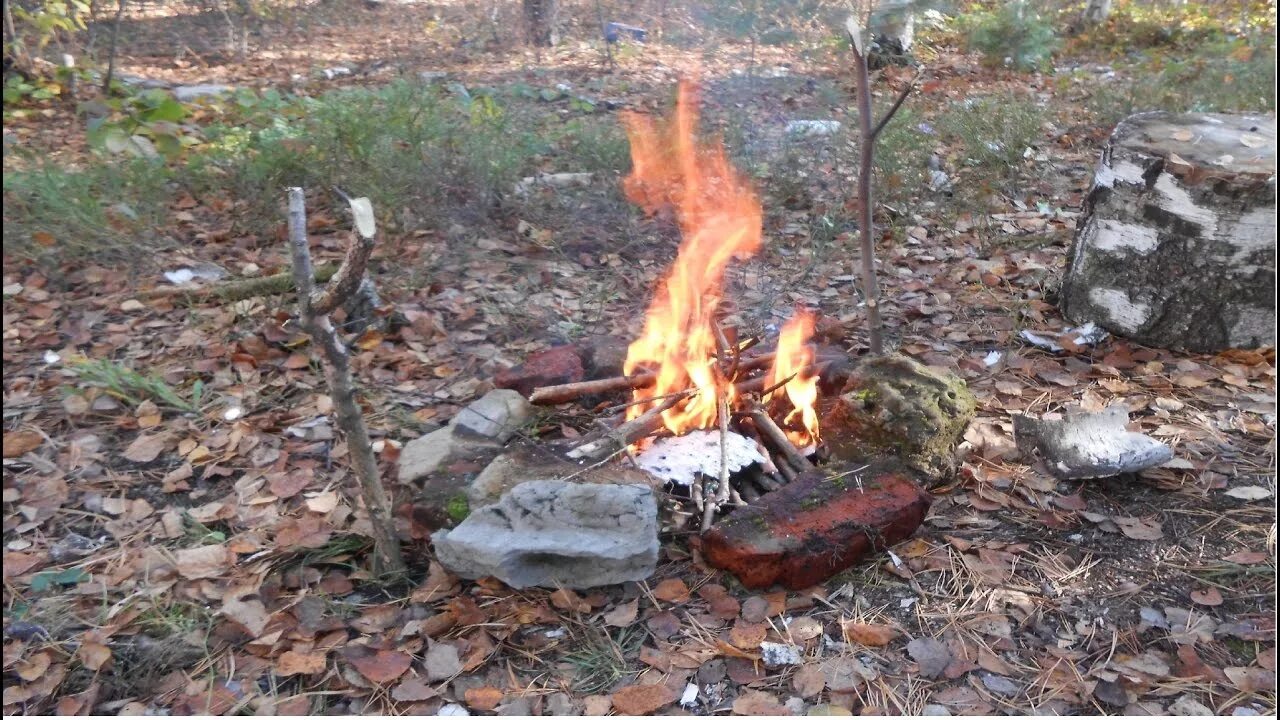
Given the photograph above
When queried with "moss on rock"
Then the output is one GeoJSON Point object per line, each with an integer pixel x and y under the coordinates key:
{"type": "Point", "coordinates": [894, 405]}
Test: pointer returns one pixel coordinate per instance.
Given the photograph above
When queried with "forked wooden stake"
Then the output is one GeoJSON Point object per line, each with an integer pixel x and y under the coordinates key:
{"type": "Point", "coordinates": [313, 316]}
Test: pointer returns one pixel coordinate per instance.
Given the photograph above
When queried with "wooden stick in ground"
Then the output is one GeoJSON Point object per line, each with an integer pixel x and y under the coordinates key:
{"type": "Point", "coordinates": [337, 360]}
{"type": "Point", "coordinates": [722, 490]}
{"type": "Point", "coordinates": [779, 440]}
{"type": "Point", "coordinates": [625, 434]}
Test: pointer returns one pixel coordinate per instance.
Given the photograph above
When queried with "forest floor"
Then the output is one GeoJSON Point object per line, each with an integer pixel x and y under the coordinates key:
{"type": "Point", "coordinates": [164, 555]}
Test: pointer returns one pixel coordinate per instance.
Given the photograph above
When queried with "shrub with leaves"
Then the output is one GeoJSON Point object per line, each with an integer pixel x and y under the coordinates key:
{"type": "Point", "coordinates": [1012, 34]}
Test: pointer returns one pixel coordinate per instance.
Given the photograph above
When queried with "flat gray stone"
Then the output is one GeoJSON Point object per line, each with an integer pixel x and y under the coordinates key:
{"type": "Point", "coordinates": [425, 455]}
{"type": "Point", "coordinates": [497, 415]}
{"type": "Point", "coordinates": [552, 533]}
{"type": "Point", "coordinates": [187, 93]}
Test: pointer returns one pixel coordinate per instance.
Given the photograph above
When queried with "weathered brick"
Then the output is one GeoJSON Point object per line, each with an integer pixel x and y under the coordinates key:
{"type": "Point", "coordinates": [814, 527]}
{"type": "Point", "coordinates": [553, 366]}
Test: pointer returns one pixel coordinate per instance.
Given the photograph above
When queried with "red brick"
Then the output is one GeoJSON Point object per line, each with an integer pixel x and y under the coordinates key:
{"type": "Point", "coordinates": [814, 527]}
{"type": "Point", "coordinates": [554, 366]}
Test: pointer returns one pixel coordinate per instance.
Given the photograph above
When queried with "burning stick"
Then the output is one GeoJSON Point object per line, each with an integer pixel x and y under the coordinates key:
{"type": "Point", "coordinates": [626, 433]}
{"type": "Point", "coordinates": [779, 440]}
{"type": "Point", "coordinates": [556, 394]}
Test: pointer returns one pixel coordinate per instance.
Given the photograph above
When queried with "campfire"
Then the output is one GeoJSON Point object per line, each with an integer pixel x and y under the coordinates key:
{"type": "Point", "coordinates": [703, 404]}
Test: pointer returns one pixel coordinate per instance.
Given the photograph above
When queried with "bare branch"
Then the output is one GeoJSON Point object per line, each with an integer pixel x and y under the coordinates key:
{"type": "Point", "coordinates": [893, 110]}
{"type": "Point", "coordinates": [301, 251]}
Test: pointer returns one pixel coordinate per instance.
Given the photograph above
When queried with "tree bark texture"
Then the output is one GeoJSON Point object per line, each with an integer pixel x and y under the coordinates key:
{"type": "Point", "coordinates": [540, 21]}
{"type": "Point", "coordinates": [1177, 244]}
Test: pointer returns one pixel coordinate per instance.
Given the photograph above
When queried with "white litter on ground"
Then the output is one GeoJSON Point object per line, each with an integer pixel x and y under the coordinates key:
{"type": "Point", "coordinates": [682, 459]}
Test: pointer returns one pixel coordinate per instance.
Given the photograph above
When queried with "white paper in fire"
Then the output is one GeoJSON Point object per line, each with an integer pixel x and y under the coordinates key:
{"type": "Point", "coordinates": [682, 459]}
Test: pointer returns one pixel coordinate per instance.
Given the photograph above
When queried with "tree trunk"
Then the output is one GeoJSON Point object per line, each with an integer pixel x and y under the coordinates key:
{"type": "Point", "coordinates": [1177, 245]}
{"type": "Point", "coordinates": [111, 51]}
{"type": "Point", "coordinates": [540, 18]}
{"type": "Point", "coordinates": [1096, 12]}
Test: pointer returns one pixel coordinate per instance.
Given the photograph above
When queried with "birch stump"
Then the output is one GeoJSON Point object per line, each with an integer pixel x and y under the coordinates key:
{"type": "Point", "coordinates": [1177, 244]}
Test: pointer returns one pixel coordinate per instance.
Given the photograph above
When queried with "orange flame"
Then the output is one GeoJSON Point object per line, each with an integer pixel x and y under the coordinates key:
{"type": "Point", "coordinates": [720, 220]}
{"type": "Point", "coordinates": [795, 358]}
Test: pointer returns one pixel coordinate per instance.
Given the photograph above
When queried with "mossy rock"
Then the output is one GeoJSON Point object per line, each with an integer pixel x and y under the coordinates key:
{"type": "Point", "coordinates": [895, 406]}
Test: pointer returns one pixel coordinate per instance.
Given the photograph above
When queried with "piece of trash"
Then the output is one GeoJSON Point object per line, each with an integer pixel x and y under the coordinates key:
{"type": "Point", "coordinates": [233, 413]}
{"type": "Point", "coordinates": [613, 32]}
{"type": "Point", "coordinates": [992, 358]}
{"type": "Point", "coordinates": [1087, 444]}
{"type": "Point", "coordinates": [207, 272]}
{"type": "Point", "coordinates": [453, 709]}
{"type": "Point", "coordinates": [181, 276]}
{"type": "Point", "coordinates": [778, 654]}
{"type": "Point", "coordinates": [335, 72]}
{"type": "Point", "coordinates": [690, 696]}
{"type": "Point", "coordinates": [51, 357]}
{"type": "Point", "coordinates": [939, 181]}
{"type": "Point", "coordinates": [1087, 334]}
{"type": "Point", "coordinates": [813, 128]}
{"type": "Point", "coordinates": [554, 180]}
{"type": "Point", "coordinates": [682, 459]}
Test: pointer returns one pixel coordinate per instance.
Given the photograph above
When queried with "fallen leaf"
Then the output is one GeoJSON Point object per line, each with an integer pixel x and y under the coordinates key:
{"type": "Point", "coordinates": [672, 590]}
{"type": "Point", "coordinates": [623, 614]}
{"type": "Point", "coordinates": [756, 702]}
{"type": "Point", "coordinates": [748, 636]}
{"type": "Point", "coordinates": [377, 666]}
{"type": "Point", "coordinates": [306, 532]}
{"type": "Point", "coordinates": [93, 654]}
{"type": "Point", "coordinates": [323, 503]}
{"type": "Point", "coordinates": [1139, 528]}
{"type": "Point", "coordinates": [413, 689]}
{"type": "Point", "coordinates": [1247, 557]}
{"type": "Point", "coordinates": [243, 606]}
{"type": "Point", "coordinates": [804, 628]}
{"type": "Point", "coordinates": [1248, 492]}
{"type": "Point", "coordinates": [1251, 679]}
{"type": "Point", "coordinates": [33, 667]}
{"type": "Point", "coordinates": [931, 655]}
{"type": "Point", "coordinates": [297, 663]}
{"type": "Point", "coordinates": [808, 681]}
{"type": "Point", "coordinates": [206, 561]}
{"type": "Point", "coordinates": [642, 699]}
{"type": "Point", "coordinates": [484, 698]}
{"type": "Point", "coordinates": [21, 442]}
{"type": "Point", "coordinates": [755, 609]}
{"type": "Point", "coordinates": [868, 634]}
{"type": "Point", "coordinates": [1208, 596]}
{"type": "Point", "coordinates": [566, 599]}
{"type": "Point", "coordinates": [146, 448]}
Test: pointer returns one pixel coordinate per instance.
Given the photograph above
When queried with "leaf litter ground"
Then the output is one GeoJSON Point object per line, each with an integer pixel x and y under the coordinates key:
{"type": "Point", "coordinates": [211, 561]}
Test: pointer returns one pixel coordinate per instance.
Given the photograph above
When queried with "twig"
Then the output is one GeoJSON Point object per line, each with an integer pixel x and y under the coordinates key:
{"type": "Point", "coordinates": [387, 557]}
{"type": "Point", "coordinates": [625, 434]}
{"type": "Point", "coordinates": [779, 440]}
{"type": "Point", "coordinates": [722, 490]}
{"type": "Point", "coordinates": [556, 394]}
{"type": "Point", "coordinates": [893, 109]}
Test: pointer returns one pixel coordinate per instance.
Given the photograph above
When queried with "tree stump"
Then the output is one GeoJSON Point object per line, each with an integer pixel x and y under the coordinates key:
{"type": "Point", "coordinates": [1177, 244]}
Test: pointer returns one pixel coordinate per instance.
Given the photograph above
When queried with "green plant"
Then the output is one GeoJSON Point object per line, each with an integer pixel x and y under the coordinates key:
{"type": "Point", "coordinates": [45, 19]}
{"type": "Point", "coordinates": [902, 160]}
{"type": "Point", "coordinates": [601, 660]}
{"type": "Point", "coordinates": [147, 125]}
{"type": "Point", "coordinates": [1013, 34]}
{"type": "Point", "coordinates": [993, 131]}
{"type": "Point", "coordinates": [1237, 74]}
{"type": "Point", "coordinates": [132, 386]}
{"type": "Point", "coordinates": [105, 210]}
